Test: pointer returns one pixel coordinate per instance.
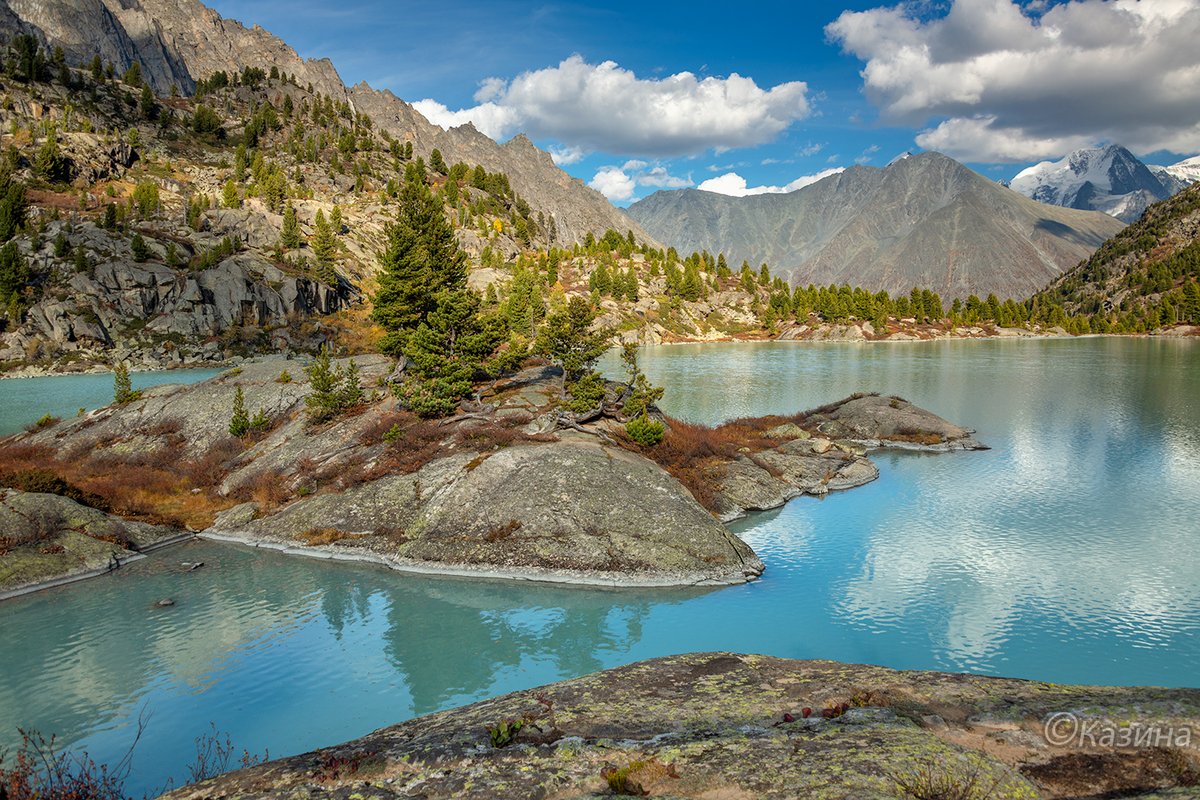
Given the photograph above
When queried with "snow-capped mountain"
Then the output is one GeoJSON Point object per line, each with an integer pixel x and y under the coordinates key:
{"type": "Point", "coordinates": [1183, 173]}
{"type": "Point", "coordinates": [1108, 179]}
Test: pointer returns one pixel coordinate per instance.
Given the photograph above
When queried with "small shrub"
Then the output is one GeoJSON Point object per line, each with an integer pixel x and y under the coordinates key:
{"type": "Point", "coordinates": [505, 732]}
{"type": "Point", "coordinates": [943, 779]}
{"type": "Point", "coordinates": [645, 431]}
{"type": "Point", "coordinates": [45, 481]}
{"type": "Point", "coordinates": [393, 434]}
{"type": "Point", "coordinates": [284, 377]}
{"type": "Point", "coordinates": [44, 421]}
{"type": "Point", "coordinates": [634, 779]}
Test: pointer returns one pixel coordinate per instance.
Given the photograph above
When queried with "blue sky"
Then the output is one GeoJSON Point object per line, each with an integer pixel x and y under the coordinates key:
{"type": "Point", "coordinates": [634, 97]}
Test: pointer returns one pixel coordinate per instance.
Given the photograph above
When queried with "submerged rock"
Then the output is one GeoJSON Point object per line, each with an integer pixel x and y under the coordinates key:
{"type": "Point", "coordinates": [722, 725]}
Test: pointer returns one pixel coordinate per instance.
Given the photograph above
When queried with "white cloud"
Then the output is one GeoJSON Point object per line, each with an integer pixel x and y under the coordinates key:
{"type": "Point", "coordinates": [621, 183]}
{"type": "Point", "coordinates": [866, 155]}
{"type": "Point", "coordinates": [567, 155]}
{"type": "Point", "coordinates": [605, 107]}
{"type": "Point", "coordinates": [1002, 82]}
{"type": "Point", "coordinates": [490, 119]}
{"type": "Point", "coordinates": [735, 185]}
{"type": "Point", "coordinates": [614, 183]}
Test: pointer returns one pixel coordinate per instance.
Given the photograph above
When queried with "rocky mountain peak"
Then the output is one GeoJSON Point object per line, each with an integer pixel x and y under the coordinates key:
{"type": "Point", "coordinates": [178, 42]}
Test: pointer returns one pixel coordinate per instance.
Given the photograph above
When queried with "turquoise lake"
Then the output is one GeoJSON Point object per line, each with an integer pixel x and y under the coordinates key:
{"type": "Point", "coordinates": [25, 400]}
{"type": "Point", "coordinates": [1069, 552]}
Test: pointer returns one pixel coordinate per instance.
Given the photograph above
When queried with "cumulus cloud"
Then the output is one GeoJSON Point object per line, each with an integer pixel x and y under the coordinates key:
{"type": "Point", "coordinates": [735, 185]}
{"type": "Point", "coordinates": [567, 155]}
{"type": "Point", "coordinates": [608, 108]}
{"type": "Point", "coordinates": [490, 119]}
{"type": "Point", "coordinates": [614, 183]}
{"type": "Point", "coordinates": [621, 183]}
{"type": "Point", "coordinates": [1005, 83]}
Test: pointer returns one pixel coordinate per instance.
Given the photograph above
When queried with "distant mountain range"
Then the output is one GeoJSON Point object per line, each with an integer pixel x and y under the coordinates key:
{"type": "Point", "coordinates": [924, 220]}
{"type": "Point", "coordinates": [1108, 179]}
{"type": "Point", "coordinates": [178, 42]}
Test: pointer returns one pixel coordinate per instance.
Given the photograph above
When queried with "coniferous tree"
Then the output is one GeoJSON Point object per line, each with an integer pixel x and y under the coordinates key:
{"type": "Point", "coordinates": [567, 339]}
{"type": "Point", "coordinates": [14, 273]}
{"type": "Point", "coordinates": [239, 422]}
{"type": "Point", "coordinates": [141, 251]}
{"type": "Point", "coordinates": [230, 197]}
{"type": "Point", "coordinates": [123, 391]}
{"type": "Point", "coordinates": [420, 259]}
{"type": "Point", "coordinates": [446, 350]}
{"type": "Point", "coordinates": [133, 75]}
{"type": "Point", "coordinates": [290, 235]}
{"type": "Point", "coordinates": [13, 205]}
{"type": "Point", "coordinates": [324, 247]}
{"type": "Point", "coordinates": [437, 163]}
{"type": "Point", "coordinates": [147, 104]}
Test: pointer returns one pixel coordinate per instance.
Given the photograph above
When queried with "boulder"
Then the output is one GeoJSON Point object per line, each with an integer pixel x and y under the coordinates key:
{"type": "Point", "coordinates": [574, 511]}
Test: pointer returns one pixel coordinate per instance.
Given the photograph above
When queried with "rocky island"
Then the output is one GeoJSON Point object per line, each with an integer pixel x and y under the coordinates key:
{"type": "Point", "coordinates": [505, 488]}
{"type": "Point", "coordinates": [722, 725]}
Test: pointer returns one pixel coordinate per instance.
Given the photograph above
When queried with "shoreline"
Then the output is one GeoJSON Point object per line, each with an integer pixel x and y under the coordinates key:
{"type": "Point", "coordinates": [31, 371]}
{"type": "Point", "coordinates": [79, 577]}
{"type": "Point", "coordinates": [563, 577]}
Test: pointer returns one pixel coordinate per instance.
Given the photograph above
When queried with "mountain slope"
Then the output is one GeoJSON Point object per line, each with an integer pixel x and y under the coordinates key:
{"type": "Point", "coordinates": [1108, 179]}
{"type": "Point", "coordinates": [922, 221]}
{"type": "Point", "coordinates": [1143, 278]}
{"type": "Point", "coordinates": [179, 42]}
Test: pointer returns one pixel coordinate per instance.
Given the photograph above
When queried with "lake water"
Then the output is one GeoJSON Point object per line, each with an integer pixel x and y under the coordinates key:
{"type": "Point", "coordinates": [25, 400]}
{"type": "Point", "coordinates": [1069, 552]}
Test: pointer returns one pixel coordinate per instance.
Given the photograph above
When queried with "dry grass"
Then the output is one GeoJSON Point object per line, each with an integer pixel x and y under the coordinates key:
{"type": "Point", "coordinates": [153, 486]}
{"type": "Point", "coordinates": [696, 455]}
{"type": "Point", "coordinates": [354, 330]}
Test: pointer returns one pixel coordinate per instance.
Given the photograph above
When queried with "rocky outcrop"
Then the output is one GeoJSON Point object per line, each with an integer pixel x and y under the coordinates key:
{"type": "Point", "coordinates": [571, 511]}
{"type": "Point", "coordinates": [47, 538]}
{"type": "Point", "coordinates": [161, 314]}
{"type": "Point", "coordinates": [875, 421]}
{"type": "Point", "coordinates": [824, 451]}
{"type": "Point", "coordinates": [476, 497]}
{"type": "Point", "coordinates": [722, 725]}
{"type": "Point", "coordinates": [500, 490]}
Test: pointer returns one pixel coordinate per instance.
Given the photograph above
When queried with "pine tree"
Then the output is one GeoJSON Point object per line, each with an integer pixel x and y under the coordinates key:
{"type": "Point", "coordinates": [133, 75]}
{"type": "Point", "coordinates": [230, 197]}
{"type": "Point", "coordinates": [323, 401]}
{"type": "Point", "coordinates": [13, 205]}
{"type": "Point", "coordinates": [14, 273]}
{"type": "Point", "coordinates": [123, 391]}
{"type": "Point", "coordinates": [290, 235]}
{"type": "Point", "coordinates": [147, 104]}
{"type": "Point", "coordinates": [446, 351]}
{"type": "Point", "coordinates": [567, 339]}
{"type": "Point", "coordinates": [239, 422]}
{"type": "Point", "coordinates": [141, 251]}
{"type": "Point", "coordinates": [324, 246]}
{"type": "Point", "coordinates": [420, 259]}
{"type": "Point", "coordinates": [437, 163]}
